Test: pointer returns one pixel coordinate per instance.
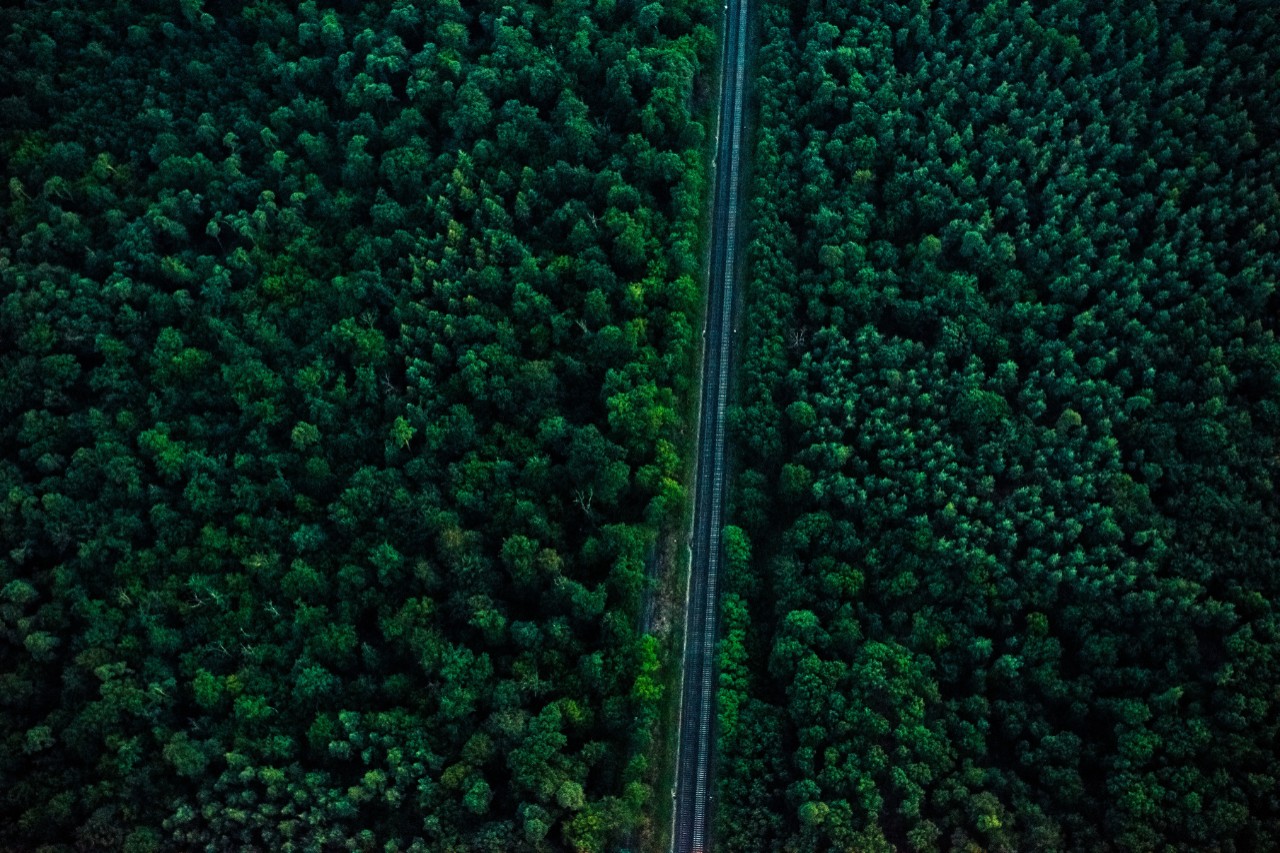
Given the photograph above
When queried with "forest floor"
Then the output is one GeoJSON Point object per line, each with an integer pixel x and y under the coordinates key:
{"type": "Point", "coordinates": [668, 626]}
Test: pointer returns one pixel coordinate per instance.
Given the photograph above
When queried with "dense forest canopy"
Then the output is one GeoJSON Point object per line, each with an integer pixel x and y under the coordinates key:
{"type": "Point", "coordinates": [1007, 563]}
{"type": "Point", "coordinates": [344, 356]}
{"type": "Point", "coordinates": [342, 352]}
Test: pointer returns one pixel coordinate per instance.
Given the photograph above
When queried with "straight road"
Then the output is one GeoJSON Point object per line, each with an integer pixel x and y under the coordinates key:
{"type": "Point", "coordinates": [697, 701]}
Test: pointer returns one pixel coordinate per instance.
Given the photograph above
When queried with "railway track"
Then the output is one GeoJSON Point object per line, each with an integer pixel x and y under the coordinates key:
{"type": "Point", "coordinates": [694, 761]}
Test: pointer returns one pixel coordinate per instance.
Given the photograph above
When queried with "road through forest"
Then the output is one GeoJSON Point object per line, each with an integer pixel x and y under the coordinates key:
{"type": "Point", "coordinates": [697, 701]}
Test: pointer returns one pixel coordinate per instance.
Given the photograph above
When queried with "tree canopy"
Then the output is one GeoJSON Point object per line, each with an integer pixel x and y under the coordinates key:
{"type": "Point", "coordinates": [344, 352]}
{"type": "Point", "coordinates": [1010, 398]}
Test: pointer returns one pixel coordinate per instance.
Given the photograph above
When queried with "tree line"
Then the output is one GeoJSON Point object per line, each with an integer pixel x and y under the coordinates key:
{"type": "Point", "coordinates": [1004, 565]}
{"type": "Point", "coordinates": [340, 392]}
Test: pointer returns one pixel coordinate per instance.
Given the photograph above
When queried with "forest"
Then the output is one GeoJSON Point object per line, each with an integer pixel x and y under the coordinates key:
{"type": "Point", "coordinates": [347, 359]}
{"type": "Point", "coordinates": [1006, 546]}
{"type": "Point", "coordinates": [343, 356]}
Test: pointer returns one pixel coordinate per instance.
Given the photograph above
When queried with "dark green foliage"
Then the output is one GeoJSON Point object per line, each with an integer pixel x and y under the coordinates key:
{"type": "Point", "coordinates": [1011, 371]}
{"type": "Point", "coordinates": [340, 359]}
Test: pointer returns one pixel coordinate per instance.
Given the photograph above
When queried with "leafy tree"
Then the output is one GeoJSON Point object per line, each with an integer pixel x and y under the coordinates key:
{"type": "Point", "coordinates": [341, 405]}
{"type": "Point", "coordinates": [1008, 378]}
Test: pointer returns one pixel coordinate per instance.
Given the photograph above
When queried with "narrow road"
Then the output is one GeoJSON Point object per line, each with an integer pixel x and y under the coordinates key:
{"type": "Point", "coordinates": [697, 701]}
